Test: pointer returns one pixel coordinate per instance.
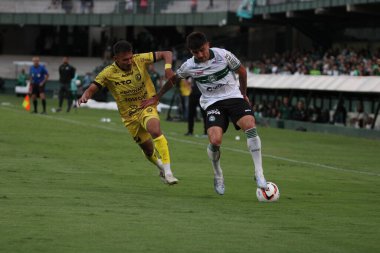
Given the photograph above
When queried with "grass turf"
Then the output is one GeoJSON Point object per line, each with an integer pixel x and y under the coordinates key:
{"type": "Point", "coordinates": [70, 183]}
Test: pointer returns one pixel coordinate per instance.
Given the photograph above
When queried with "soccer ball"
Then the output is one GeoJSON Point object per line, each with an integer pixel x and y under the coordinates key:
{"type": "Point", "coordinates": [271, 194]}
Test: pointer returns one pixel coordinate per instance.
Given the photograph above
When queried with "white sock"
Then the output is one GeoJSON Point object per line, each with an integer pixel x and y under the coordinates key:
{"type": "Point", "coordinates": [254, 147]}
{"type": "Point", "coordinates": [213, 153]}
{"type": "Point", "coordinates": [167, 169]}
{"type": "Point", "coordinates": [159, 164]}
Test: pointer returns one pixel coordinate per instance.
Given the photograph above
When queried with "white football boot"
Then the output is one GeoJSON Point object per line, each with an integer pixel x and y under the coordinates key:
{"type": "Point", "coordinates": [219, 185]}
{"type": "Point", "coordinates": [260, 181]}
{"type": "Point", "coordinates": [168, 178]}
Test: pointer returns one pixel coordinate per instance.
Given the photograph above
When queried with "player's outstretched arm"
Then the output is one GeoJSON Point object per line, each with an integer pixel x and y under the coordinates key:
{"type": "Point", "coordinates": [242, 72]}
{"type": "Point", "coordinates": [91, 90]}
{"type": "Point", "coordinates": [154, 100]}
{"type": "Point", "coordinates": [167, 56]}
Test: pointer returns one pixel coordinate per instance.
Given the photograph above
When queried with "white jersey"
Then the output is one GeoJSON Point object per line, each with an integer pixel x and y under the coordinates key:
{"type": "Point", "coordinates": [215, 78]}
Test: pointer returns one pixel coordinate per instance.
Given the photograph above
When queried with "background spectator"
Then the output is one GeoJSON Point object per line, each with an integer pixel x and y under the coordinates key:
{"type": "Point", "coordinates": [185, 90]}
{"type": "Point", "coordinates": [300, 112]}
{"type": "Point", "coordinates": [66, 74]}
{"type": "Point", "coordinates": [360, 119]}
{"type": "Point", "coordinates": [67, 5]}
{"type": "Point", "coordinates": [194, 6]}
{"type": "Point", "coordinates": [129, 6]}
{"type": "Point", "coordinates": [285, 111]}
{"type": "Point", "coordinates": [143, 6]}
{"type": "Point", "coordinates": [1, 84]}
{"type": "Point", "coordinates": [193, 105]}
{"type": "Point", "coordinates": [340, 114]}
{"type": "Point", "coordinates": [87, 6]}
{"type": "Point", "coordinates": [334, 62]}
{"type": "Point", "coordinates": [155, 76]}
{"type": "Point", "coordinates": [21, 78]}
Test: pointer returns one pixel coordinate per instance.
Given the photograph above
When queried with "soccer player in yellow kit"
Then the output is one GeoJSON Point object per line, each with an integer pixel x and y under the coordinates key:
{"type": "Point", "coordinates": [128, 80]}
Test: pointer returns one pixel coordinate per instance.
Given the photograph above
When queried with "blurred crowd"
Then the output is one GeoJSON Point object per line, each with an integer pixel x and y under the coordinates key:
{"type": "Point", "coordinates": [284, 109]}
{"type": "Point", "coordinates": [332, 62]}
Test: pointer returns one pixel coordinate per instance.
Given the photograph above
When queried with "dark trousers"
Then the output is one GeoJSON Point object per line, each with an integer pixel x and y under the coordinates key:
{"type": "Point", "coordinates": [64, 92]}
{"type": "Point", "coordinates": [193, 104]}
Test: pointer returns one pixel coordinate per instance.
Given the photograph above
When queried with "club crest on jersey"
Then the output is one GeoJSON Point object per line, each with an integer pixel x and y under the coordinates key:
{"type": "Point", "coordinates": [211, 118]}
{"type": "Point", "coordinates": [211, 78]}
{"type": "Point", "coordinates": [138, 77]}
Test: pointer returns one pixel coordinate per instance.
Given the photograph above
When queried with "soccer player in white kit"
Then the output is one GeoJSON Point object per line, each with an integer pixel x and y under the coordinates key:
{"type": "Point", "coordinates": [224, 98]}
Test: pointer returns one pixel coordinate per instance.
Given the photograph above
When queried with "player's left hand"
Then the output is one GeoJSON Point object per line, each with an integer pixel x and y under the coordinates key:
{"type": "Point", "coordinates": [148, 102]}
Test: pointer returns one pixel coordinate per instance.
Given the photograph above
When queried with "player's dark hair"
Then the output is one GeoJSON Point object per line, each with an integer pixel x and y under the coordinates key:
{"type": "Point", "coordinates": [121, 47]}
{"type": "Point", "coordinates": [195, 40]}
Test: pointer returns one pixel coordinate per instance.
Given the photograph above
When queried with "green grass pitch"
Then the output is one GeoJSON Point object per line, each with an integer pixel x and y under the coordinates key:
{"type": "Point", "coordinates": [71, 183]}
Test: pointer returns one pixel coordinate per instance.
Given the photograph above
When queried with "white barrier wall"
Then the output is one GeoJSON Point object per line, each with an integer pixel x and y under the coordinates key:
{"type": "Point", "coordinates": [327, 83]}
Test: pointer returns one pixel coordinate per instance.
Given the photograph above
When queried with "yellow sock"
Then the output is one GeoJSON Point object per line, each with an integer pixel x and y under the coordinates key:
{"type": "Point", "coordinates": [161, 145]}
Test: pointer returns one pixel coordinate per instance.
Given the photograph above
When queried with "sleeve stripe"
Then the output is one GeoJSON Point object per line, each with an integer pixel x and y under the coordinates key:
{"type": "Point", "coordinates": [98, 85]}
{"type": "Point", "coordinates": [154, 56]}
{"type": "Point", "coordinates": [237, 67]}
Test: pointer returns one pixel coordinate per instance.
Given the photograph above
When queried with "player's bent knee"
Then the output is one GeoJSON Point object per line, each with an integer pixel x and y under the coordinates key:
{"type": "Point", "coordinates": [215, 141]}
{"type": "Point", "coordinates": [246, 122]}
{"type": "Point", "coordinates": [155, 134]}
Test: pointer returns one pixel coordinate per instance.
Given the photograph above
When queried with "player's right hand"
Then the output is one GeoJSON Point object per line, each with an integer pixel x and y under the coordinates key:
{"type": "Point", "coordinates": [82, 100]}
{"type": "Point", "coordinates": [148, 102]}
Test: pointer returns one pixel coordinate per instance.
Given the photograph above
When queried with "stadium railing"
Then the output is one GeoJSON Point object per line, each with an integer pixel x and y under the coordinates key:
{"type": "Point", "coordinates": [116, 6]}
{"type": "Point", "coordinates": [123, 6]}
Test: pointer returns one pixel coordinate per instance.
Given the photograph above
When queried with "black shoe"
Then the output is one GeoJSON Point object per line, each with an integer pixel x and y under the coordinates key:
{"type": "Point", "coordinates": [188, 134]}
{"type": "Point", "coordinates": [43, 113]}
{"type": "Point", "coordinates": [59, 109]}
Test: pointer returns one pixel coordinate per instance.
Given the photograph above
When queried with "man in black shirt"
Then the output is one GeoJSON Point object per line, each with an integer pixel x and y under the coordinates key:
{"type": "Point", "coordinates": [193, 104]}
{"type": "Point", "coordinates": [66, 74]}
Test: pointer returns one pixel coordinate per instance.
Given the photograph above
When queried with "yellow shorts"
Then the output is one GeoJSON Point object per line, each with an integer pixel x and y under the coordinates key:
{"type": "Point", "coordinates": [137, 124]}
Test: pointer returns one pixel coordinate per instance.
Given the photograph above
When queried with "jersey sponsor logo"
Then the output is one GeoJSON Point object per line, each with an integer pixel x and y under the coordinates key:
{"type": "Point", "coordinates": [247, 110]}
{"type": "Point", "coordinates": [134, 91]}
{"type": "Point", "coordinates": [138, 98]}
{"type": "Point", "coordinates": [215, 87]}
{"type": "Point", "coordinates": [124, 82]}
{"type": "Point", "coordinates": [213, 111]}
{"type": "Point", "coordinates": [144, 59]}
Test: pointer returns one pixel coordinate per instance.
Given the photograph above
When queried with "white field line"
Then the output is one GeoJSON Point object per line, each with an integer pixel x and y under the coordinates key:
{"type": "Point", "coordinates": [318, 165]}
{"type": "Point", "coordinates": [282, 158]}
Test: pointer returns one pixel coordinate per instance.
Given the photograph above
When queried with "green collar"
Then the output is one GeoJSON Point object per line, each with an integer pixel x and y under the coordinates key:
{"type": "Point", "coordinates": [212, 55]}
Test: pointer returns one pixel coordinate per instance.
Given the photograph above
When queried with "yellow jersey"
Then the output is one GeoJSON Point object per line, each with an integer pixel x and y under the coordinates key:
{"type": "Point", "coordinates": [129, 88]}
{"type": "Point", "coordinates": [184, 88]}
